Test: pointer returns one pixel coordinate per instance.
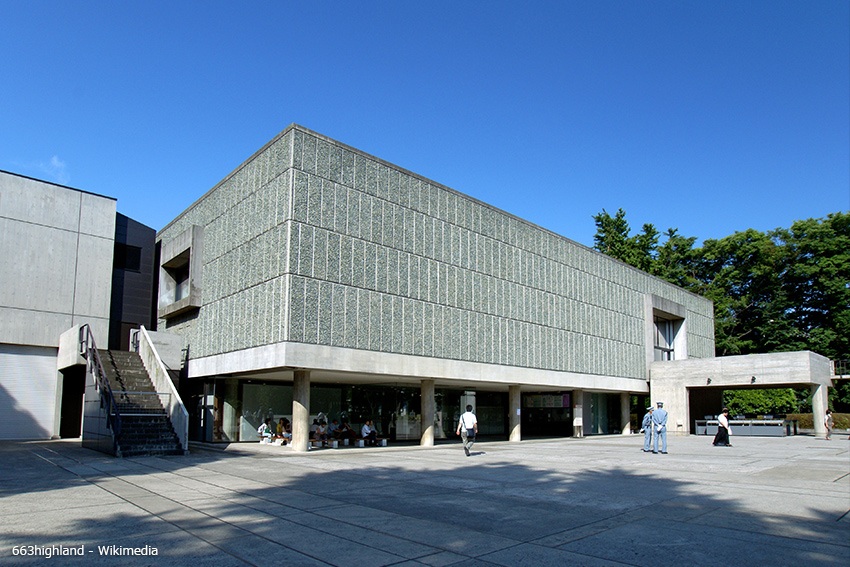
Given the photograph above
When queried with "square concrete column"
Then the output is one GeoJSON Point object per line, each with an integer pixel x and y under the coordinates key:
{"type": "Point", "coordinates": [514, 421]}
{"type": "Point", "coordinates": [819, 405]}
{"type": "Point", "coordinates": [427, 411]}
{"type": "Point", "coordinates": [301, 410]}
{"type": "Point", "coordinates": [625, 414]}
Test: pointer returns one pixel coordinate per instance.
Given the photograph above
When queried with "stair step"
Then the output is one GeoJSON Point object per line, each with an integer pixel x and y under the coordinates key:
{"type": "Point", "coordinates": [151, 432]}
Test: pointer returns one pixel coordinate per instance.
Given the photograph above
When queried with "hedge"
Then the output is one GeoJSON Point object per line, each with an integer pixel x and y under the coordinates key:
{"type": "Point", "coordinates": [806, 420]}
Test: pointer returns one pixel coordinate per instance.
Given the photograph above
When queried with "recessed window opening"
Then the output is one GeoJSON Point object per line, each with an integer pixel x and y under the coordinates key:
{"type": "Point", "coordinates": [177, 270]}
{"type": "Point", "coordinates": [664, 336]}
{"type": "Point", "coordinates": [181, 278]}
{"type": "Point", "coordinates": [127, 257]}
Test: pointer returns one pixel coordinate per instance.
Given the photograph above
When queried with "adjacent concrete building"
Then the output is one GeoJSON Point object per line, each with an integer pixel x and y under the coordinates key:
{"type": "Point", "coordinates": [58, 245]}
{"type": "Point", "coordinates": [315, 264]}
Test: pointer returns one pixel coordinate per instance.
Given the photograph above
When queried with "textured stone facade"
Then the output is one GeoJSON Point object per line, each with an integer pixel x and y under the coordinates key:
{"type": "Point", "coordinates": [311, 241]}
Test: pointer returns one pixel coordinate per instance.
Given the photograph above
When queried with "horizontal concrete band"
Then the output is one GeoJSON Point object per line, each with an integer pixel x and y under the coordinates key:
{"type": "Point", "coordinates": [760, 370]}
{"type": "Point", "coordinates": [287, 356]}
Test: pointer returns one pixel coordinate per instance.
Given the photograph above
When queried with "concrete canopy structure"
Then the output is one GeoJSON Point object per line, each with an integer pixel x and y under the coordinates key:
{"type": "Point", "coordinates": [314, 262]}
{"type": "Point", "coordinates": [680, 383]}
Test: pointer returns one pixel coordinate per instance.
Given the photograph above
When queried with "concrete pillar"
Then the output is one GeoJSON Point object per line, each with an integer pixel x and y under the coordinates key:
{"type": "Point", "coordinates": [578, 414]}
{"type": "Point", "coordinates": [301, 410]}
{"type": "Point", "coordinates": [428, 410]}
{"type": "Point", "coordinates": [819, 404]}
{"type": "Point", "coordinates": [625, 414]}
{"type": "Point", "coordinates": [514, 418]}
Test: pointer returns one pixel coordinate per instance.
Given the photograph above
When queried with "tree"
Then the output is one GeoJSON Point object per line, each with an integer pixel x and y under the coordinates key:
{"type": "Point", "coordinates": [785, 290]}
{"type": "Point", "coordinates": [739, 273]}
{"type": "Point", "coordinates": [612, 238]}
{"type": "Point", "coordinates": [760, 402]}
{"type": "Point", "coordinates": [817, 283]}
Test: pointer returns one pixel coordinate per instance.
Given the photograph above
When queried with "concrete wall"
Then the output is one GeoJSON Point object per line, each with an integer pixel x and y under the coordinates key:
{"type": "Point", "coordinates": [313, 242]}
{"type": "Point", "coordinates": [57, 246]}
{"type": "Point", "coordinates": [672, 381]}
{"type": "Point", "coordinates": [59, 242]}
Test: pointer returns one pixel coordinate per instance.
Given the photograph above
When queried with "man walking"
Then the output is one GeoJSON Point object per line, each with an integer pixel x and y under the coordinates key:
{"type": "Point", "coordinates": [646, 427]}
{"type": "Point", "coordinates": [467, 428]}
{"type": "Point", "coordinates": [659, 422]}
{"type": "Point", "coordinates": [723, 429]}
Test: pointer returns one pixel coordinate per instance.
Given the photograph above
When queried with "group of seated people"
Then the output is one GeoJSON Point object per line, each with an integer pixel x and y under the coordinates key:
{"type": "Point", "coordinates": [283, 431]}
{"type": "Point", "coordinates": [319, 431]}
{"type": "Point", "coordinates": [322, 431]}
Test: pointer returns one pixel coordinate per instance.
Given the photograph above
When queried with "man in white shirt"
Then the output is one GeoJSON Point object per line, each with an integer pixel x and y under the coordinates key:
{"type": "Point", "coordinates": [368, 433]}
{"type": "Point", "coordinates": [467, 428]}
{"type": "Point", "coordinates": [723, 430]}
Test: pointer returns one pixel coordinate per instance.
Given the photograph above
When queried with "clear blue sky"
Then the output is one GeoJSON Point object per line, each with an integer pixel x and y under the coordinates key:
{"type": "Point", "coordinates": [711, 117]}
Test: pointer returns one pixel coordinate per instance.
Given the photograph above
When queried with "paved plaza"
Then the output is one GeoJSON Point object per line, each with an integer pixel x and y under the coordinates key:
{"type": "Point", "coordinates": [592, 501]}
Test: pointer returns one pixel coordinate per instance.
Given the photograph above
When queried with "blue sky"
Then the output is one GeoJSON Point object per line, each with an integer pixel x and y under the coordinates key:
{"type": "Point", "coordinates": [710, 117]}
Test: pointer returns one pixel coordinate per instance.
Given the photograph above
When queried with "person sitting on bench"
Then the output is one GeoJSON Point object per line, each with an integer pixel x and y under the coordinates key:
{"type": "Point", "coordinates": [344, 431]}
{"type": "Point", "coordinates": [321, 433]}
{"type": "Point", "coordinates": [369, 434]}
{"type": "Point", "coordinates": [265, 431]}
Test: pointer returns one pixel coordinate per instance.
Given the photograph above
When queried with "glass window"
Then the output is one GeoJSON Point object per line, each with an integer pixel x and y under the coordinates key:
{"type": "Point", "coordinates": [664, 337]}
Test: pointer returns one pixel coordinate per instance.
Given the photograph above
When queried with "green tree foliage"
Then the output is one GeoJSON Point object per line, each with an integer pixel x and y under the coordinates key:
{"type": "Point", "coordinates": [782, 290]}
{"type": "Point", "coordinates": [759, 402]}
{"type": "Point", "coordinates": [612, 238]}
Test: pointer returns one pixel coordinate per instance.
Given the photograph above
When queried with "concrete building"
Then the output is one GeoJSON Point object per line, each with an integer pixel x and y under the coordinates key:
{"type": "Point", "coordinates": [316, 278]}
{"type": "Point", "coordinates": [317, 281]}
{"type": "Point", "coordinates": [59, 245]}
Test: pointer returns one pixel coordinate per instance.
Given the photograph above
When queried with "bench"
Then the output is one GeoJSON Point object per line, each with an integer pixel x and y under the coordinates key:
{"type": "Point", "coordinates": [361, 442]}
{"type": "Point", "coordinates": [330, 443]}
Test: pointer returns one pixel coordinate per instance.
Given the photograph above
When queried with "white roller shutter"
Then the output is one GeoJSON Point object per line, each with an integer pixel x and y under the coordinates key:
{"type": "Point", "coordinates": [28, 386]}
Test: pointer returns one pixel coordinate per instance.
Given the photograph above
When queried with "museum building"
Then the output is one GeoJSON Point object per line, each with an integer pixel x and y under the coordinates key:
{"type": "Point", "coordinates": [316, 281]}
{"type": "Point", "coordinates": [317, 274]}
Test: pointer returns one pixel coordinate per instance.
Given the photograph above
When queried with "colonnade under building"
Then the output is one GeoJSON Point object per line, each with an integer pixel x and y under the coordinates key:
{"type": "Point", "coordinates": [238, 405]}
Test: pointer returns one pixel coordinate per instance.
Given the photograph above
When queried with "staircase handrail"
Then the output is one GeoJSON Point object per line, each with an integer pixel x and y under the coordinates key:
{"type": "Point", "coordinates": [162, 383]}
{"type": "Point", "coordinates": [88, 350]}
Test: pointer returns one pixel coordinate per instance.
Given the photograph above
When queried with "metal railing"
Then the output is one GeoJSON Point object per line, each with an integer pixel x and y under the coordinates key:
{"type": "Point", "coordinates": [841, 368]}
{"type": "Point", "coordinates": [94, 366]}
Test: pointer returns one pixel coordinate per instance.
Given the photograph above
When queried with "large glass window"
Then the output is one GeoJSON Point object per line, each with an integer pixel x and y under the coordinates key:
{"type": "Point", "coordinates": [664, 336]}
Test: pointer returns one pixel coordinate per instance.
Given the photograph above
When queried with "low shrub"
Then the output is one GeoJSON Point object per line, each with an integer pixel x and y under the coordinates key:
{"type": "Point", "coordinates": [806, 420]}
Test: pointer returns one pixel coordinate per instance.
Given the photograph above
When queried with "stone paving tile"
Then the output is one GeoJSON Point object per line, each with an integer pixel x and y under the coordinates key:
{"type": "Point", "coordinates": [257, 550]}
{"type": "Point", "coordinates": [367, 535]}
{"type": "Point", "coordinates": [324, 546]}
{"type": "Point", "coordinates": [530, 555]}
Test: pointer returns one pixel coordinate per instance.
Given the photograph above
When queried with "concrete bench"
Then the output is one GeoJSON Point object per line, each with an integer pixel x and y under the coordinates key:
{"type": "Point", "coordinates": [361, 442]}
{"type": "Point", "coordinates": [329, 443]}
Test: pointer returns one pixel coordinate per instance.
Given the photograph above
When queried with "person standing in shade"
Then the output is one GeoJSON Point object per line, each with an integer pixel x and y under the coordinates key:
{"type": "Point", "coordinates": [659, 423]}
{"type": "Point", "coordinates": [646, 428]}
{"type": "Point", "coordinates": [723, 430]}
{"type": "Point", "coordinates": [467, 428]}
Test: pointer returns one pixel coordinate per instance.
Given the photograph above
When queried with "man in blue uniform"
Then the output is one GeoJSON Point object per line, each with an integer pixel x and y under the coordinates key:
{"type": "Point", "coordinates": [659, 422]}
{"type": "Point", "coordinates": [646, 427]}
